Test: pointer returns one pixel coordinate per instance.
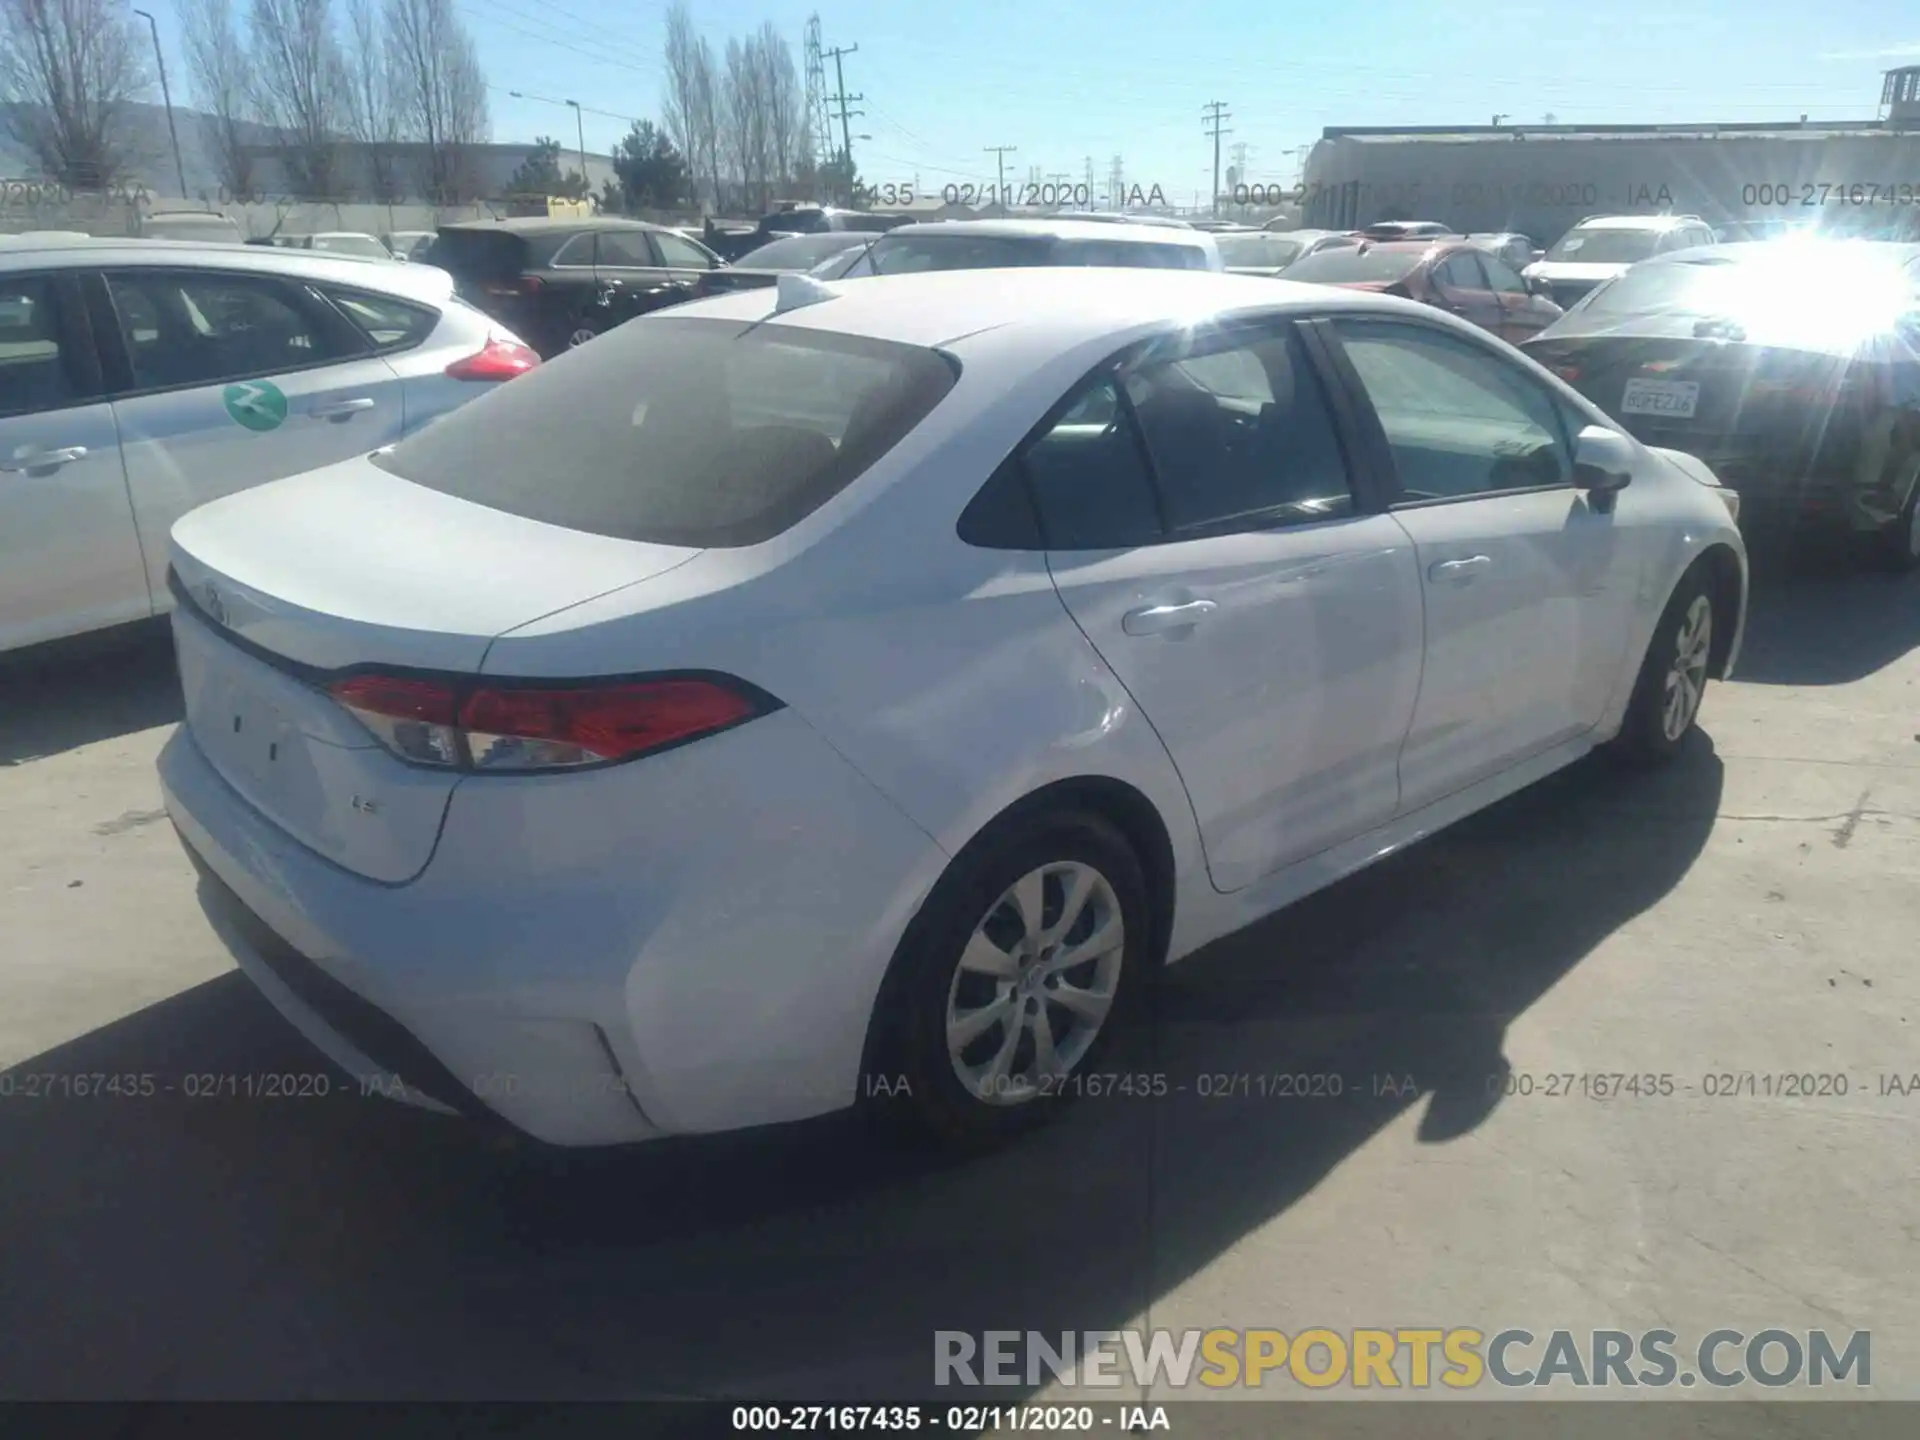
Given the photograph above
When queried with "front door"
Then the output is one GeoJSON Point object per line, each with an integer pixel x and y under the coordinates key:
{"type": "Point", "coordinates": [1462, 288]}
{"type": "Point", "coordinates": [69, 560]}
{"type": "Point", "coordinates": [1522, 313]}
{"type": "Point", "coordinates": [1203, 531]}
{"type": "Point", "coordinates": [1526, 584]}
{"type": "Point", "coordinates": [232, 379]}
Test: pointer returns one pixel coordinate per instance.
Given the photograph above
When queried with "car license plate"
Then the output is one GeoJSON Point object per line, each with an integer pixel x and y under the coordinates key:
{"type": "Point", "coordinates": [1675, 398]}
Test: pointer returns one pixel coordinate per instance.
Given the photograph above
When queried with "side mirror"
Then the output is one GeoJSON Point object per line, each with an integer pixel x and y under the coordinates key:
{"type": "Point", "coordinates": [1602, 466]}
{"type": "Point", "coordinates": [1537, 286]}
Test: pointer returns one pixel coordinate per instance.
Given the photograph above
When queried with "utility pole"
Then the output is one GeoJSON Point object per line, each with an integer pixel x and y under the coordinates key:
{"type": "Point", "coordinates": [1000, 153]}
{"type": "Point", "coordinates": [1062, 182]}
{"type": "Point", "coordinates": [166, 97]}
{"type": "Point", "coordinates": [580, 131]}
{"type": "Point", "coordinates": [1116, 185]}
{"type": "Point", "coordinates": [1213, 112]}
{"type": "Point", "coordinates": [1089, 180]}
{"type": "Point", "coordinates": [842, 99]}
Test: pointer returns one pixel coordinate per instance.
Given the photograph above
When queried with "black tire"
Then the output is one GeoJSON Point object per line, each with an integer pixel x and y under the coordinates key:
{"type": "Point", "coordinates": [1645, 737]}
{"type": "Point", "coordinates": [912, 1083]}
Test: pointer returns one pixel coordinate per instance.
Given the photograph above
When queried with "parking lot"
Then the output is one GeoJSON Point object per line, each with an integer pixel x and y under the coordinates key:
{"type": "Point", "coordinates": [1752, 910]}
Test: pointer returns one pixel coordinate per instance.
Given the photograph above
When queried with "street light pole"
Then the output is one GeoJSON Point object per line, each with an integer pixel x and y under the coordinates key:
{"type": "Point", "coordinates": [580, 127]}
{"type": "Point", "coordinates": [167, 96]}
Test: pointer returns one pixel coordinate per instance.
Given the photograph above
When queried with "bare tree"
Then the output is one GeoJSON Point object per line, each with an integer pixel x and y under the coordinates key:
{"type": "Point", "coordinates": [221, 76]}
{"type": "Point", "coordinates": [68, 70]}
{"type": "Point", "coordinates": [747, 129]}
{"type": "Point", "coordinates": [780, 92]}
{"type": "Point", "coordinates": [439, 93]}
{"type": "Point", "coordinates": [707, 117]}
{"type": "Point", "coordinates": [681, 104]}
{"type": "Point", "coordinates": [300, 88]}
{"type": "Point", "coordinates": [370, 108]}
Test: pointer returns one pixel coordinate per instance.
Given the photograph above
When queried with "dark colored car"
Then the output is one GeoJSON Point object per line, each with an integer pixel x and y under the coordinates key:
{"type": "Point", "coordinates": [1791, 369]}
{"type": "Point", "coordinates": [1403, 230]}
{"type": "Point", "coordinates": [1268, 252]}
{"type": "Point", "coordinates": [558, 283]}
{"type": "Point", "coordinates": [790, 254]}
{"type": "Point", "coordinates": [1451, 274]}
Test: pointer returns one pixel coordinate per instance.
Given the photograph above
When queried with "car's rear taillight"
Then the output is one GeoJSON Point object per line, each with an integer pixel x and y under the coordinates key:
{"type": "Point", "coordinates": [504, 727]}
{"type": "Point", "coordinates": [500, 359]}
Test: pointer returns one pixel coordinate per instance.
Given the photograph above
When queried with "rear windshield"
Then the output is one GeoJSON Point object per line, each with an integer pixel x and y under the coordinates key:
{"type": "Point", "coordinates": [1350, 265]}
{"type": "Point", "coordinates": [363, 245]}
{"type": "Point", "coordinates": [910, 254]}
{"type": "Point", "coordinates": [1791, 288]}
{"type": "Point", "coordinates": [1604, 247]}
{"type": "Point", "coordinates": [681, 431]}
{"type": "Point", "coordinates": [1129, 253]}
{"type": "Point", "coordinates": [1260, 251]}
{"type": "Point", "coordinates": [473, 254]}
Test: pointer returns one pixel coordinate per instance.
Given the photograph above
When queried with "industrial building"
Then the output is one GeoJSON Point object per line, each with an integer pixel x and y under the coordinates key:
{"type": "Point", "coordinates": [1542, 179]}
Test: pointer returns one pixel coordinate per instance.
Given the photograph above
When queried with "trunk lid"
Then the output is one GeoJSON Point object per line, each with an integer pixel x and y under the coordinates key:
{"type": "Point", "coordinates": [281, 587]}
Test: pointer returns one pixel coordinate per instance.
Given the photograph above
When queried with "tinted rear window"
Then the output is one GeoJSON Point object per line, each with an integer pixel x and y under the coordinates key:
{"type": "Point", "coordinates": [476, 253]}
{"type": "Point", "coordinates": [910, 254]}
{"type": "Point", "coordinates": [681, 431]}
{"type": "Point", "coordinates": [1350, 265]}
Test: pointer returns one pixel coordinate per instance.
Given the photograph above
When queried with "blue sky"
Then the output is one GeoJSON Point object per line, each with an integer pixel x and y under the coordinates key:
{"type": "Point", "coordinates": [1067, 79]}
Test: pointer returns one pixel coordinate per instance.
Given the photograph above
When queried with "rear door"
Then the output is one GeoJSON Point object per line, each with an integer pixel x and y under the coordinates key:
{"type": "Point", "coordinates": [1461, 284]}
{"type": "Point", "coordinates": [69, 557]}
{"type": "Point", "coordinates": [1204, 530]}
{"type": "Point", "coordinates": [633, 277]}
{"type": "Point", "coordinates": [224, 379]}
{"type": "Point", "coordinates": [1528, 588]}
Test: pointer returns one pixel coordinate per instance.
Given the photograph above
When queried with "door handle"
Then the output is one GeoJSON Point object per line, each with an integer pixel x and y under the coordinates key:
{"type": "Point", "coordinates": [1455, 572]}
{"type": "Point", "coordinates": [1163, 619]}
{"type": "Point", "coordinates": [24, 460]}
{"type": "Point", "coordinates": [341, 409]}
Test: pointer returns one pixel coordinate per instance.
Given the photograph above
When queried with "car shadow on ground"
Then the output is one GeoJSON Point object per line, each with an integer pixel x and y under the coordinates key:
{"type": "Point", "coordinates": [1817, 616]}
{"type": "Point", "coordinates": [176, 1245]}
{"type": "Point", "coordinates": [59, 697]}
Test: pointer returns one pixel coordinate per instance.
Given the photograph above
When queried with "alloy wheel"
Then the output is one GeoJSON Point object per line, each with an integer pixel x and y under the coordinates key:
{"type": "Point", "coordinates": [1687, 672]}
{"type": "Point", "coordinates": [1035, 983]}
{"type": "Point", "coordinates": [580, 337]}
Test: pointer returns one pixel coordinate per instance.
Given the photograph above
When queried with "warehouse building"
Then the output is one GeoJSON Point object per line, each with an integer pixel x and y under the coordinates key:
{"type": "Point", "coordinates": [1542, 179]}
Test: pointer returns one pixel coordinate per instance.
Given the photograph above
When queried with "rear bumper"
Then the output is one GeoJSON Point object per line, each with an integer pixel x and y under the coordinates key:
{"type": "Point", "coordinates": [689, 945]}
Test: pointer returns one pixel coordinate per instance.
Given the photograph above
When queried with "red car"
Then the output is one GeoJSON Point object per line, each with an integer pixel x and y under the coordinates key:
{"type": "Point", "coordinates": [1452, 274]}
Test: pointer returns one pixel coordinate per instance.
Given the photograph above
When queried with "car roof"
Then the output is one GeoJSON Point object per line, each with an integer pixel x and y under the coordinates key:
{"type": "Point", "coordinates": [1130, 234]}
{"type": "Point", "coordinates": [549, 224]}
{"type": "Point", "coordinates": [1637, 222]}
{"type": "Point", "coordinates": [339, 235]}
{"type": "Point", "coordinates": [423, 282]}
{"type": "Point", "coordinates": [1072, 304]}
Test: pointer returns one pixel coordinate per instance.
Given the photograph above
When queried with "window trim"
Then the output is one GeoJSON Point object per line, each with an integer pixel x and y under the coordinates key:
{"type": "Point", "coordinates": [647, 244]}
{"type": "Point", "coordinates": [1375, 435]}
{"type": "Point", "coordinates": [78, 354]}
{"type": "Point", "coordinates": [654, 239]}
{"type": "Point", "coordinates": [120, 383]}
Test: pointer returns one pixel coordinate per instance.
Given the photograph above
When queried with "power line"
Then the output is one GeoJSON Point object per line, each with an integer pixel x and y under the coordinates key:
{"type": "Point", "coordinates": [1000, 153]}
{"type": "Point", "coordinates": [1213, 112]}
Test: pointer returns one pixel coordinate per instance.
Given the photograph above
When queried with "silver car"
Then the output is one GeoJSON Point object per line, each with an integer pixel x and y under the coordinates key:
{"type": "Point", "coordinates": [142, 378]}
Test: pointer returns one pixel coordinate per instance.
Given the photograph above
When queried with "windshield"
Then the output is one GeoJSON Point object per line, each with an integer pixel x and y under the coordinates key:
{"type": "Point", "coordinates": [1354, 266]}
{"type": "Point", "coordinates": [1258, 250]}
{"type": "Point", "coordinates": [911, 254]}
{"type": "Point", "coordinates": [682, 431]}
{"type": "Point", "coordinates": [799, 252]}
{"type": "Point", "coordinates": [1604, 247]}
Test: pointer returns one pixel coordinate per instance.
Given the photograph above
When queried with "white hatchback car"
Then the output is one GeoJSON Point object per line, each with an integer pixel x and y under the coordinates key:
{"type": "Point", "coordinates": [819, 692]}
{"type": "Point", "coordinates": [140, 378]}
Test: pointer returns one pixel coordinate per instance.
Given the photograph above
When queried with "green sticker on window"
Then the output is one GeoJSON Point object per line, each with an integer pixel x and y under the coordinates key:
{"type": "Point", "coordinates": [256, 404]}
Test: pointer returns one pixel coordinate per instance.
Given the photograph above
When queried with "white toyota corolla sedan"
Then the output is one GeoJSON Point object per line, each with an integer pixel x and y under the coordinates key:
{"type": "Point", "coordinates": [818, 693]}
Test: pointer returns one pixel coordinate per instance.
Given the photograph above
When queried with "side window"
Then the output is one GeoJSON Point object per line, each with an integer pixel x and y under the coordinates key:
{"type": "Point", "coordinates": [200, 328]}
{"type": "Point", "coordinates": [34, 370]}
{"type": "Point", "coordinates": [576, 252]}
{"type": "Point", "coordinates": [681, 254]}
{"type": "Point", "coordinates": [1089, 480]}
{"type": "Point", "coordinates": [1503, 278]}
{"type": "Point", "coordinates": [1459, 420]}
{"type": "Point", "coordinates": [388, 323]}
{"type": "Point", "coordinates": [1241, 431]}
{"type": "Point", "coordinates": [1460, 271]}
{"type": "Point", "coordinates": [626, 249]}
